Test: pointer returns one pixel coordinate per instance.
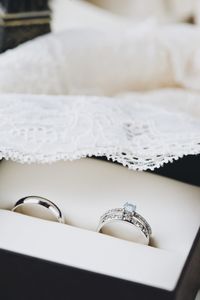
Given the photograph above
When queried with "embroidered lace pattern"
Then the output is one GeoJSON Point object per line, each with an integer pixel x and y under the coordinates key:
{"type": "Point", "coordinates": [140, 131]}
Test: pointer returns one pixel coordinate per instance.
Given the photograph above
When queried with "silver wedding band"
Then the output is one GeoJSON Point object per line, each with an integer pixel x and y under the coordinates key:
{"type": "Point", "coordinates": [45, 203]}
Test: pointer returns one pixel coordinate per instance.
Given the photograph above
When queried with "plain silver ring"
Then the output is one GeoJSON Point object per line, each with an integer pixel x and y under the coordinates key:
{"type": "Point", "coordinates": [36, 200]}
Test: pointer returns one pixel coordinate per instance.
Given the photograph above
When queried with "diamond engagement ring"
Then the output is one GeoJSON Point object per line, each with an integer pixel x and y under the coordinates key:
{"type": "Point", "coordinates": [117, 221]}
{"type": "Point", "coordinates": [39, 207]}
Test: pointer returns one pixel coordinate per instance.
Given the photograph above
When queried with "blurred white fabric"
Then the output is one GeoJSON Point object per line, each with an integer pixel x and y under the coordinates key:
{"type": "Point", "coordinates": [90, 61]}
{"type": "Point", "coordinates": [108, 13]}
{"type": "Point", "coordinates": [197, 19]}
{"type": "Point", "coordinates": [133, 56]}
{"type": "Point", "coordinates": [198, 296]}
{"type": "Point", "coordinates": [160, 10]}
{"type": "Point", "coordinates": [75, 13]}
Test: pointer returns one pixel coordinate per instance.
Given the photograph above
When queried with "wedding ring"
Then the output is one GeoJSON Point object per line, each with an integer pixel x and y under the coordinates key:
{"type": "Point", "coordinates": [113, 223]}
{"type": "Point", "coordinates": [50, 207]}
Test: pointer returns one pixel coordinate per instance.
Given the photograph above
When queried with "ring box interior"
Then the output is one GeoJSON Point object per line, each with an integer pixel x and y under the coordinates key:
{"type": "Point", "coordinates": [73, 260]}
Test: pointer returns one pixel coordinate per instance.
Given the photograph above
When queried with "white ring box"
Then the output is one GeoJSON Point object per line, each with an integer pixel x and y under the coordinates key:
{"type": "Point", "coordinates": [72, 260]}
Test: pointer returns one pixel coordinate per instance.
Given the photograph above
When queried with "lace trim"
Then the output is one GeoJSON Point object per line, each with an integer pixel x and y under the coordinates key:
{"type": "Point", "coordinates": [126, 159]}
{"type": "Point", "coordinates": [134, 131]}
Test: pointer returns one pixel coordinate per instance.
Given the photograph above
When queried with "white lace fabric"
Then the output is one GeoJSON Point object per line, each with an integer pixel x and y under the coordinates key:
{"type": "Point", "coordinates": [140, 131]}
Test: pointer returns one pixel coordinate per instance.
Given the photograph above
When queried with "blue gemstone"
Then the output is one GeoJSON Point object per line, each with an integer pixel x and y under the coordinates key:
{"type": "Point", "coordinates": [129, 207]}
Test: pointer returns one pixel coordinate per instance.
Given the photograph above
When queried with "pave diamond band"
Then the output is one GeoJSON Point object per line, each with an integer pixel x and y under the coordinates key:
{"type": "Point", "coordinates": [127, 214]}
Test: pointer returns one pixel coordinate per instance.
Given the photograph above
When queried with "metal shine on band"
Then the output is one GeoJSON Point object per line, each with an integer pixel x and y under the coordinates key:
{"type": "Point", "coordinates": [129, 215]}
{"type": "Point", "coordinates": [36, 200]}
